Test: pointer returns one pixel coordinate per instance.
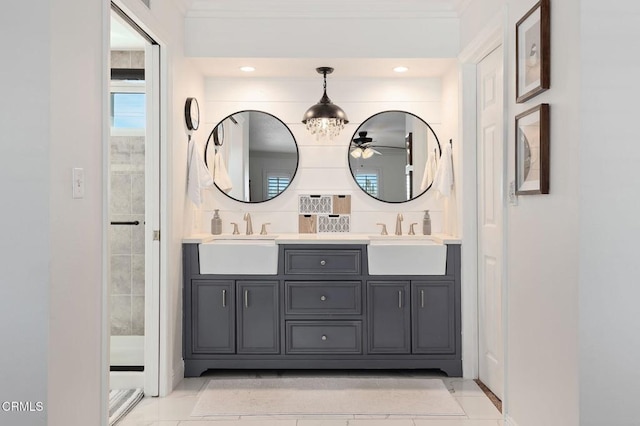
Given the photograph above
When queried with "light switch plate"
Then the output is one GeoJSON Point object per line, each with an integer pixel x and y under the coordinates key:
{"type": "Point", "coordinates": [78, 182]}
{"type": "Point", "coordinates": [513, 198]}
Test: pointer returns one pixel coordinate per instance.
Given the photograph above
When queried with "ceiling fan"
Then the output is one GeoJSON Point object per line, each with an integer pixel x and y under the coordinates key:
{"type": "Point", "coordinates": [362, 146]}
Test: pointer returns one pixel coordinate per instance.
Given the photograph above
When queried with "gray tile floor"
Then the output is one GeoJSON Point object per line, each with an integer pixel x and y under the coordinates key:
{"type": "Point", "coordinates": [175, 409]}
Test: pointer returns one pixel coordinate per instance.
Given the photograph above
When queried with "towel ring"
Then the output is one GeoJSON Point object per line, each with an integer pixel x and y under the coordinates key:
{"type": "Point", "coordinates": [218, 139]}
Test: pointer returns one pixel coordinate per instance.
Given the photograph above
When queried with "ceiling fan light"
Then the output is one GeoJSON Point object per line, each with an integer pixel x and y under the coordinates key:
{"type": "Point", "coordinates": [356, 152]}
{"type": "Point", "coordinates": [368, 153]}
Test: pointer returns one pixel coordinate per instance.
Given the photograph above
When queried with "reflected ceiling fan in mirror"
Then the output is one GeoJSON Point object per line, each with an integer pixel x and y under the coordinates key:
{"type": "Point", "coordinates": [362, 146]}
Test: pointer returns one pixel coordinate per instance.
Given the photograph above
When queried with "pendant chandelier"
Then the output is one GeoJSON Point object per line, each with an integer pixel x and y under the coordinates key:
{"type": "Point", "coordinates": [325, 118]}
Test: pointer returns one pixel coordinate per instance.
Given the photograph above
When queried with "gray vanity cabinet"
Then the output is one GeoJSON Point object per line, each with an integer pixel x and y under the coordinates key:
{"type": "Point", "coordinates": [258, 317]}
{"type": "Point", "coordinates": [321, 310]}
{"type": "Point", "coordinates": [389, 317]}
{"type": "Point", "coordinates": [213, 317]}
{"type": "Point", "coordinates": [433, 317]}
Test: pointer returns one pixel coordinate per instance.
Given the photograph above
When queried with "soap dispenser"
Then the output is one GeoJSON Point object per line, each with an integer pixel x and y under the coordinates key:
{"type": "Point", "coordinates": [216, 223]}
{"type": "Point", "coordinates": [426, 223]}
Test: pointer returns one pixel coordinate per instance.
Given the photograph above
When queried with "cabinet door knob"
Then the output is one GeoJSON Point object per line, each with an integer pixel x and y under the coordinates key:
{"type": "Point", "coordinates": [323, 262]}
{"type": "Point", "coordinates": [324, 337]}
{"type": "Point", "coordinates": [323, 298]}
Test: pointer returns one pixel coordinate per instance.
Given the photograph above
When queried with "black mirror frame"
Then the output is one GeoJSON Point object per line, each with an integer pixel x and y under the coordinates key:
{"type": "Point", "coordinates": [356, 133]}
{"type": "Point", "coordinates": [213, 135]}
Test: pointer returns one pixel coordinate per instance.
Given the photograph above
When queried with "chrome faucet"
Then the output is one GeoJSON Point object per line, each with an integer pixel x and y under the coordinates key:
{"type": "Point", "coordinates": [399, 220]}
{"type": "Point", "coordinates": [247, 217]}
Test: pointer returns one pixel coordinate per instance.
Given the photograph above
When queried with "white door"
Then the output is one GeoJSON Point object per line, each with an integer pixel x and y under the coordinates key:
{"type": "Point", "coordinates": [490, 207]}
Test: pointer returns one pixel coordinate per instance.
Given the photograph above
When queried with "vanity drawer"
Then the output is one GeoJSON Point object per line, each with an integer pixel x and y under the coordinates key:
{"type": "Point", "coordinates": [323, 297]}
{"type": "Point", "coordinates": [319, 261]}
{"type": "Point", "coordinates": [320, 337]}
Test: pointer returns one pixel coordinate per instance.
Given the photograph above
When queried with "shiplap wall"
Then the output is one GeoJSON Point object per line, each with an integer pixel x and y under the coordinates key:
{"type": "Point", "coordinates": [323, 165]}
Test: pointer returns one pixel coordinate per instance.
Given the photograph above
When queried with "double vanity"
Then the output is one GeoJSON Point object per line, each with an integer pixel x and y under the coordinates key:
{"type": "Point", "coordinates": [310, 301]}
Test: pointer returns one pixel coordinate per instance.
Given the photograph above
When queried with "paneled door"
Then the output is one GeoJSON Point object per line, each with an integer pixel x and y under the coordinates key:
{"type": "Point", "coordinates": [490, 226]}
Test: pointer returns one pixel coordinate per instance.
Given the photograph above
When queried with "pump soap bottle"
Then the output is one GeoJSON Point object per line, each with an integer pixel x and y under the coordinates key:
{"type": "Point", "coordinates": [216, 223]}
{"type": "Point", "coordinates": [426, 223]}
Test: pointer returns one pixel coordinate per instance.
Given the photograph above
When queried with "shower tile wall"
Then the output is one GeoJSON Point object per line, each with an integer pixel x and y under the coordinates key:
{"type": "Point", "coordinates": [127, 205]}
{"type": "Point", "coordinates": [127, 242]}
{"type": "Point", "coordinates": [127, 59]}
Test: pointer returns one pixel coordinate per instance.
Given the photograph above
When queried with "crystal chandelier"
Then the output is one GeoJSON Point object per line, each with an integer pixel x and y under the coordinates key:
{"type": "Point", "coordinates": [325, 118]}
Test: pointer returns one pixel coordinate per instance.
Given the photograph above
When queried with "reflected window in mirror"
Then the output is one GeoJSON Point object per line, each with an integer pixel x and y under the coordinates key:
{"type": "Point", "coordinates": [368, 181]}
{"type": "Point", "coordinates": [258, 152]}
{"type": "Point", "coordinates": [393, 156]}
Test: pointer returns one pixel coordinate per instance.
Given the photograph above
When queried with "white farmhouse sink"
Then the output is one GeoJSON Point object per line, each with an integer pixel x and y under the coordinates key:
{"type": "Point", "coordinates": [244, 256]}
{"type": "Point", "coordinates": [406, 257]}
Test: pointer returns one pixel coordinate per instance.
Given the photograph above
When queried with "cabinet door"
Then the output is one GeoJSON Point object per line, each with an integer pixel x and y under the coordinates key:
{"type": "Point", "coordinates": [433, 317]}
{"type": "Point", "coordinates": [388, 315]}
{"type": "Point", "coordinates": [212, 317]}
{"type": "Point", "coordinates": [258, 317]}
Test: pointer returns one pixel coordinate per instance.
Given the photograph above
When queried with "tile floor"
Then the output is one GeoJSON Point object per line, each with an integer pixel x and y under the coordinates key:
{"type": "Point", "coordinates": [175, 409]}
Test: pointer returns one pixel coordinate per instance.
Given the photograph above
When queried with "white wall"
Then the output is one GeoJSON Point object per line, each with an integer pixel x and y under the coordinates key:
{"type": "Point", "coordinates": [609, 211]}
{"type": "Point", "coordinates": [24, 175]}
{"type": "Point", "coordinates": [542, 232]}
{"type": "Point", "coordinates": [450, 121]}
{"type": "Point", "coordinates": [78, 72]}
{"type": "Point", "coordinates": [323, 165]}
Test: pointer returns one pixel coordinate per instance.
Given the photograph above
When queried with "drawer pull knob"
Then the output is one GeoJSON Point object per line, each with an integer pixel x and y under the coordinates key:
{"type": "Point", "coordinates": [323, 298]}
{"type": "Point", "coordinates": [323, 262]}
{"type": "Point", "coordinates": [324, 337]}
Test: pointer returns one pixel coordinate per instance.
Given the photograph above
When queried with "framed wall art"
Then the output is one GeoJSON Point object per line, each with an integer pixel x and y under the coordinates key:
{"type": "Point", "coordinates": [532, 151]}
{"type": "Point", "coordinates": [533, 55]}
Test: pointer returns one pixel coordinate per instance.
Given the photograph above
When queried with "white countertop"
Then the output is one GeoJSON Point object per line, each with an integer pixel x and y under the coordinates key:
{"type": "Point", "coordinates": [323, 238]}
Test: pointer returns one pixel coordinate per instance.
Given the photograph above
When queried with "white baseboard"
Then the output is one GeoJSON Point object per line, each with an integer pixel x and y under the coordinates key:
{"type": "Point", "coordinates": [508, 421]}
{"type": "Point", "coordinates": [177, 374]}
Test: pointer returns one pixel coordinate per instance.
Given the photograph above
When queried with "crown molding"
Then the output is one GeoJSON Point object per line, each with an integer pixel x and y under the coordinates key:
{"type": "Point", "coordinates": [328, 9]}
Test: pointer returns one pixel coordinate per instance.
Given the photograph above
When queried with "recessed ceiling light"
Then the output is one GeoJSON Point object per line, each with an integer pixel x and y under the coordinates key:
{"type": "Point", "coordinates": [401, 69]}
{"type": "Point", "coordinates": [247, 69]}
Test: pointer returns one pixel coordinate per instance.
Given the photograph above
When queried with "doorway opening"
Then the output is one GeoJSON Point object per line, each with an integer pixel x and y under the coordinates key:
{"type": "Point", "coordinates": [133, 258]}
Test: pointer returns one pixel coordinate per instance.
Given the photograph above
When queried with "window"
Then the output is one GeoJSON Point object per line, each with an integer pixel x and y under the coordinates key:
{"type": "Point", "coordinates": [369, 182]}
{"type": "Point", "coordinates": [128, 110]}
{"type": "Point", "coordinates": [276, 183]}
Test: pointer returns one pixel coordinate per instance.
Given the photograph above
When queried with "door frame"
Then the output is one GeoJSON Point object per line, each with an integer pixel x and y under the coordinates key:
{"type": "Point", "coordinates": [494, 35]}
{"type": "Point", "coordinates": [155, 354]}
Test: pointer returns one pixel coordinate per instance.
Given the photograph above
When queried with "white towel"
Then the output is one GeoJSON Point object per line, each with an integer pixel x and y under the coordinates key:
{"type": "Point", "coordinates": [198, 176]}
{"type": "Point", "coordinates": [220, 175]}
{"type": "Point", "coordinates": [429, 171]}
{"type": "Point", "coordinates": [443, 181]}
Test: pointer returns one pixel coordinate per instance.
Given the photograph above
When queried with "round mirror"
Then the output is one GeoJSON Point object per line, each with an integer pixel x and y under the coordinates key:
{"type": "Point", "coordinates": [393, 156]}
{"type": "Point", "coordinates": [252, 155]}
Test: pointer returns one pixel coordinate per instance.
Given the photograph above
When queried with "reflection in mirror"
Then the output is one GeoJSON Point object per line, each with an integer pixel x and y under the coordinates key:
{"type": "Point", "coordinates": [393, 156]}
{"type": "Point", "coordinates": [258, 153]}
